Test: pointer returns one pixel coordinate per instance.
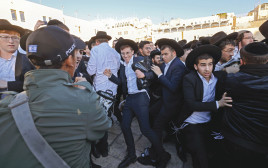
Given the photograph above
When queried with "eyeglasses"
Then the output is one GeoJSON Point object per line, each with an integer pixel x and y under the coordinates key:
{"type": "Point", "coordinates": [249, 38]}
{"type": "Point", "coordinates": [14, 38]}
{"type": "Point", "coordinates": [148, 48]}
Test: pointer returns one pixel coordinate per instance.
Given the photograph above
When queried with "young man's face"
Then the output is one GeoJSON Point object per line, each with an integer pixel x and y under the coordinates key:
{"type": "Point", "coordinates": [152, 46]}
{"type": "Point", "coordinates": [9, 41]}
{"type": "Point", "coordinates": [156, 60]}
{"type": "Point", "coordinates": [87, 51]}
{"type": "Point", "coordinates": [114, 43]}
{"type": "Point", "coordinates": [227, 53]}
{"type": "Point", "coordinates": [146, 50]}
{"type": "Point", "coordinates": [205, 67]}
{"type": "Point", "coordinates": [127, 54]}
{"type": "Point", "coordinates": [78, 56]}
{"type": "Point", "coordinates": [168, 55]}
{"type": "Point", "coordinates": [247, 39]}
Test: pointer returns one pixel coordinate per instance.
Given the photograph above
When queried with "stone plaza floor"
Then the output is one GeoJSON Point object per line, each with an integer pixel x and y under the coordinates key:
{"type": "Point", "coordinates": [117, 149]}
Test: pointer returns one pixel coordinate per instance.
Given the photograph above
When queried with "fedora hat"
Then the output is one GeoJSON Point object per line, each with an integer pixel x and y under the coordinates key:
{"type": "Point", "coordinates": [219, 37]}
{"type": "Point", "coordinates": [6, 25]}
{"type": "Point", "coordinates": [101, 34]}
{"type": "Point", "coordinates": [172, 43]}
{"type": "Point", "coordinates": [209, 49]}
{"type": "Point", "coordinates": [204, 40]}
{"type": "Point", "coordinates": [264, 31]}
{"type": "Point", "coordinates": [182, 42]}
{"type": "Point", "coordinates": [128, 42]}
{"type": "Point", "coordinates": [89, 43]}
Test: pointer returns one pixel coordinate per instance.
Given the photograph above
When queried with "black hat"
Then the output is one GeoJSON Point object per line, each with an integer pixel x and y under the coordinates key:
{"type": "Point", "coordinates": [23, 40]}
{"type": "Point", "coordinates": [182, 42]}
{"type": "Point", "coordinates": [101, 34]}
{"type": "Point", "coordinates": [58, 23]}
{"type": "Point", "coordinates": [155, 52]}
{"type": "Point", "coordinates": [219, 37]}
{"type": "Point", "coordinates": [80, 44]}
{"type": "Point", "coordinates": [90, 42]}
{"type": "Point", "coordinates": [188, 45]}
{"type": "Point", "coordinates": [129, 42]}
{"type": "Point", "coordinates": [49, 45]}
{"type": "Point", "coordinates": [254, 49]}
{"type": "Point", "coordinates": [5, 25]}
{"type": "Point", "coordinates": [264, 31]}
{"type": "Point", "coordinates": [204, 40]}
{"type": "Point", "coordinates": [212, 50]}
{"type": "Point", "coordinates": [172, 43]}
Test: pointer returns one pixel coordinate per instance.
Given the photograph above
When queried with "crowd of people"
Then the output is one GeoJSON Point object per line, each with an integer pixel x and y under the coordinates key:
{"type": "Point", "coordinates": [210, 95]}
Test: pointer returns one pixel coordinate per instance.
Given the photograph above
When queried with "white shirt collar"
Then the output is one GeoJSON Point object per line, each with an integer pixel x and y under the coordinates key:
{"type": "Point", "coordinates": [130, 61]}
{"type": "Point", "coordinates": [14, 55]}
{"type": "Point", "coordinates": [204, 79]}
{"type": "Point", "coordinates": [170, 61]}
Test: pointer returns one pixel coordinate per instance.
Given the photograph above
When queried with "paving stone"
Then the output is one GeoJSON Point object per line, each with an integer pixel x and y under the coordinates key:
{"type": "Point", "coordinates": [117, 149]}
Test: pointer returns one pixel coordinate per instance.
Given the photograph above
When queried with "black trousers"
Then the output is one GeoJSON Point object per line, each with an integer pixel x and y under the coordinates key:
{"type": "Point", "coordinates": [237, 156]}
{"type": "Point", "coordinates": [195, 139]}
{"type": "Point", "coordinates": [138, 105]}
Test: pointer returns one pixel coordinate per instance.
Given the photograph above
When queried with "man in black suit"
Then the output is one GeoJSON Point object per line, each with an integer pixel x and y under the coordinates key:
{"type": "Point", "coordinates": [201, 88]}
{"type": "Point", "coordinates": [169, 75]}
{"type": "Point", "coordinates": [137, 101]}
{"type": "Point", "coordinates": [13, 64]}
{"type": "Point", "coordinates": [245, 125]}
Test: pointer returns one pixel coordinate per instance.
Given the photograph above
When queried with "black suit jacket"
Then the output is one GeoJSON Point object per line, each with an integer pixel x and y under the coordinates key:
{"type": "Point", "coordinates": [22, 66]}
{"type": "Point", "coordinates": [122, 79]}
{"type": "Point", "coordinates": [193, 94]}
{"type": "Point", "coordinates": [172, 86]}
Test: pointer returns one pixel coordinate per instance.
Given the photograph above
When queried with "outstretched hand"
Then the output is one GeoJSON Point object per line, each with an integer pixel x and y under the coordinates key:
{"type": "Point", "coordinates": [139, 74]}
{"type": "Point", "coordinates": [107, 72]}
{"type": "Point", "coordinates": [225, 101]}
{"type": "Point", "coordinates": [156, 69]}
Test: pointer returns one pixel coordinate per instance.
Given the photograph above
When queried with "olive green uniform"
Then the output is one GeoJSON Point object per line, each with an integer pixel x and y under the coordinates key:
{"type": "Point", "coordinates": [68, 118]}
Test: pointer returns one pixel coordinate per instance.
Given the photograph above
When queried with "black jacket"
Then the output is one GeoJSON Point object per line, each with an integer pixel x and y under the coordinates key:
{"type": "Point", "coordinates": [82, 70]}
{"type": "Point", "coordinates": [246, 123]}
{"type": "Point", "coordinates": [193, 94]}
{"type": "Point", "coordinates": [172, 86]}
{"type": "Point", "coordinates": [122, 79]}
{"type": "Point", "coordinates": [22, 66]}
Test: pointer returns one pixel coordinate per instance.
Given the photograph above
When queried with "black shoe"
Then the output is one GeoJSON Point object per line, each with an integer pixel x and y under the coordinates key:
{"type": "Point", "coordinates": [95, 152]}
{"type": "Point", "coordinates": [163, 161]}
{"type": "Point", "coordinates": [93, 165]}
{"type": "Point", "coordinates": [104, 153]}
{"type": "Point", "coordinates": [146, 160]}
{"type": "Point", "coordinates": [127, 161]}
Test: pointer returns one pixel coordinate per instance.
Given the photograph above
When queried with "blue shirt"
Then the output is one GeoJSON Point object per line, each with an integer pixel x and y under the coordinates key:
{"type": "Point", "coordinates": [7, 68]}
{"type": "Point", "coordinates": [131, 78]}
{"type": "Point", "coordinates": [166, 67]}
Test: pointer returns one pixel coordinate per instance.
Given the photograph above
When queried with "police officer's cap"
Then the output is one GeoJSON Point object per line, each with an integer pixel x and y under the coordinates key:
{"type": "Point", "coordinates": [49, 45]}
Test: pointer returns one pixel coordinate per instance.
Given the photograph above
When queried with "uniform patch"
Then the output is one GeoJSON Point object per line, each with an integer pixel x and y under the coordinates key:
{"type": "Point", "coordinates": [32, 48]}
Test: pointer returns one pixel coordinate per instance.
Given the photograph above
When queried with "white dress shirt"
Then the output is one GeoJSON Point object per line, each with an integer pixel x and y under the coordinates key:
{"type": "Point", "coordinates": [208, 96]}
{"type": "Point", "coordinates": [166, 67]}
{"type": "Point", "coordinates": [103, 57]}
{"type": "Point", "coordinates": [7, 68]}
{"type": "Point", "coordinates": [131, 78]}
